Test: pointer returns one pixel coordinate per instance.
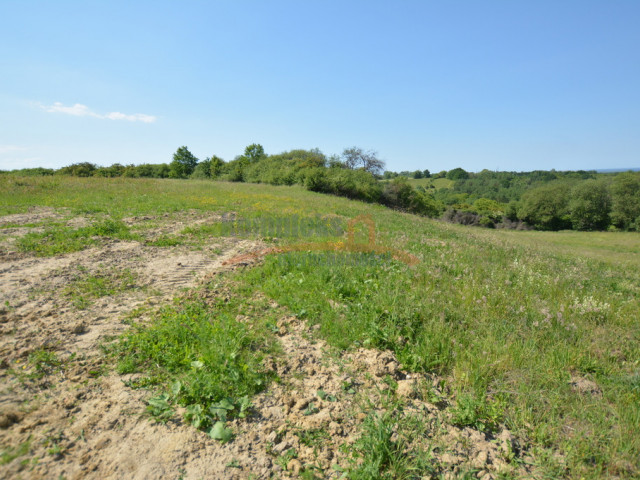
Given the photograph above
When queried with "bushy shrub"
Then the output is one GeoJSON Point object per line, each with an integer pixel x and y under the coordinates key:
{"type": "Point", "coordinates": [115, 170]}
{"type": "Point", "coordinates": [625, 195]}
{"type": "Point", "coordinates": [202, 170]}
{"type": "Point", "coordinates": [146, 170]}
{"type": "Point", "coordinates": [84, 169]}
{"type": "Point", "coordinates": [547, 207]}
{"type": "Point", "coordinates": [511, 224]}
{"type": "Point", "coordinates": [457, 174]}
{"type": "Point", "coordinates": [462, 217]}
{"type": "Point", "coordinates": [398, 193]}
{"type": "Point", "coordinates": [489, 209]}
{"type": "Point", "coordinates": [589, 206]}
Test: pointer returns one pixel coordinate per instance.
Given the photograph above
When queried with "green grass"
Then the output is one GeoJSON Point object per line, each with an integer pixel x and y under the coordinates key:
{"type": "Point", "coordinates": [507, 327]}
{"type": "Point", "coordinates": [165, 241]}
{"type": "Point", "coordinates": [57, 240]}
{"type": "Point", "coordinates": [207, 360]}
{"type": "Point", "coordinates": [124, 197]}
{"type": "Point", "coordinates": [383, 457]}
{"type": "Point", "coordinates": [8, 454]}
{"type": "Point", "coordinates": [84, 288]}
{"type": "Point", "coordinates": [617, 248]}
{"type": "Point", "coordinates": [508, 319]}
{"type": "Point", "coordinates": [44, 362]}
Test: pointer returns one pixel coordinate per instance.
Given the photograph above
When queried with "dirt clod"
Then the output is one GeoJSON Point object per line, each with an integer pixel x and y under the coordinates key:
{"type": "Point", "coordinates": [584, 386]}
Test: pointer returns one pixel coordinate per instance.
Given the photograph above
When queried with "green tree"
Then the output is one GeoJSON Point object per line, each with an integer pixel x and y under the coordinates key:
{"type": "Point", "coordinates": [334, 162]}
{"type": "Point", "coordinates": [84, 169]}
{"type": "Point", "coordinates": [115, 170]}
{"type": "Point", "coordinates": [625, 196]}
{"type": "Point", "coordinates": [457, 174]}
{"type": "Point", "coordinates": [202, 170]}
{"type": "Point", "coordinates": [183, 164]}
{"type": "Point", "coordinates": [216, 167]}
{"type": "Point", "coordinates": [489, 208]}
{"type": "Point", "coordinates": [546, 207]}
{"type": "Point", "coordinates": [398, 193]}
{"type": "Point", "coordinates": [254, 153]}
{"type": "Point", "coordinates": [589, 206]}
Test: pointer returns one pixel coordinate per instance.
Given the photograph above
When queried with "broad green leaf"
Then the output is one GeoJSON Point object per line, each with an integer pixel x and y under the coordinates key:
{"type": "Point", "coordinates": [220, 432]}
{"type": "Point", "coordinates": [176, 387]}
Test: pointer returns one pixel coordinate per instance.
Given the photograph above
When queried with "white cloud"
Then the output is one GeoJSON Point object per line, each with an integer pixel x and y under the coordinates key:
{"type": "Point", "coordinates": [10, 149]}
{"type": "Point", "coordinates": [80, 110]}
{"type": "Point", "coordinates": [136, 117]}
{"type": "Point", "coordinates": [77, 110]}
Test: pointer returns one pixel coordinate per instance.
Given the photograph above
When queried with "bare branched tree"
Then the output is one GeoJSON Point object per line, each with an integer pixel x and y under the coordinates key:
{"type": "Point", "coordinates": [355, 157]}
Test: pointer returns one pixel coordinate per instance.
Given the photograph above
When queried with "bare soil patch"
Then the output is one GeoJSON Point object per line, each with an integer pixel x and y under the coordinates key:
{"type": "Point", "coordinates": [77, 419]}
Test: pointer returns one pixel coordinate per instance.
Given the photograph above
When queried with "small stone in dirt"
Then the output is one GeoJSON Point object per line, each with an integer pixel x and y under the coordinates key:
{"type": "Point", "coordinates": [486, 475]}
{"type": "Point", "coordinates": [101, 444]}
{"type": "Point", "coordinates": [80, 328]}
{"type": "Point", "coordinates": [281, 447]}
{"type": "Point", "coordinates": [69, 402]}
{"type": "Point", "coordinates": [335, 428]}
{"type": "Point", "coordinates": [294, 466]}
{"type": "Point", "coordinates": [506, 441]}
{"type": "Point", "coordinates": [584, 386]}
{"type": "Point", "coordinates": [301, 404]}
{"type": "Point", "coordinates": [406, 388]}
{"type": "Point", "coordinates": [448, 459]}
{"type": "Point", "coordinates": [480, 460]}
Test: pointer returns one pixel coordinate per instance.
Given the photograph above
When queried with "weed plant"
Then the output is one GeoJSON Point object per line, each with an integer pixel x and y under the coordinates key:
{"type": "Point", "coordinates": [208, 361]}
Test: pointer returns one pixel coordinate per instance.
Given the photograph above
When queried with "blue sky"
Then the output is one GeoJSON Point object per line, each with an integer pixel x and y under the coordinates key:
{"type": "Point", "coordinates": [508, 85]}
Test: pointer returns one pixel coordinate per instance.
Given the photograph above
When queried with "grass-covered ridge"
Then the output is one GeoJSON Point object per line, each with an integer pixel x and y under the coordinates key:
{"type": "Point", "coordinates": [538, 331]}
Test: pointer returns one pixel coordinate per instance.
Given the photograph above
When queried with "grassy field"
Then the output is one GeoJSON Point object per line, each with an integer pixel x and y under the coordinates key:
{"type": "Point", "coordinates": [617, 248]}
{"type": "Point", "coordinates": [536, 331]}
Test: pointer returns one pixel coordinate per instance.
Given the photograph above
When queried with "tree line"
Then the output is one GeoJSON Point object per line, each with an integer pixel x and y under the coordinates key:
{"type": "Point", "coordinates": [544, 200]}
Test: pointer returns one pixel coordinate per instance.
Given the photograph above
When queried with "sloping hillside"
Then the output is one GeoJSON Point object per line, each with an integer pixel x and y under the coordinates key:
{"type": "Point", "coordinates": [198, 329]}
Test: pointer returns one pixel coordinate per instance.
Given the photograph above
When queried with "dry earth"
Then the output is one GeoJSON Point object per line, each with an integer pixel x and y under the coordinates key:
{"type": "Point", "coordinates": [83, 421]}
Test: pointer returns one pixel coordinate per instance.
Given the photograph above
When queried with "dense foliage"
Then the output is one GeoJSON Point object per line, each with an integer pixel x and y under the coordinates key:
{"type": "Point", "coordinates": [541, 200]}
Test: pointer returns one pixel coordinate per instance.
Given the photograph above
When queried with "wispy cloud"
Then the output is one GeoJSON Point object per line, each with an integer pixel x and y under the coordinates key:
{"type": "Point", "coordinates": [10, 149]}
{"type": "Point", "coordinates": [136, 117]}
{"type": "Point", "coordinates": [80, 110]}
{"type": "Point", "coordinates": [15, 156]}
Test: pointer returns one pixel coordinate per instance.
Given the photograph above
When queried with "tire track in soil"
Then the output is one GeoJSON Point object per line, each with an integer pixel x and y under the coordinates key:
{"type": "Point", "coordinates": [84, 414]}
{"type": "Point", "coordinates": [96, 420]}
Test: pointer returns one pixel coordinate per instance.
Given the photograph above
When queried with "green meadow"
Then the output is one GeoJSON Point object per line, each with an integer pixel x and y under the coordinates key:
{"type": "Point", "coordinates": [514, 322]}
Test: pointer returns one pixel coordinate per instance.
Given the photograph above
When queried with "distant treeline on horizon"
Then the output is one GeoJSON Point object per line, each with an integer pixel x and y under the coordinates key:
{"type": "Point", "coordinates": [540, 199]}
